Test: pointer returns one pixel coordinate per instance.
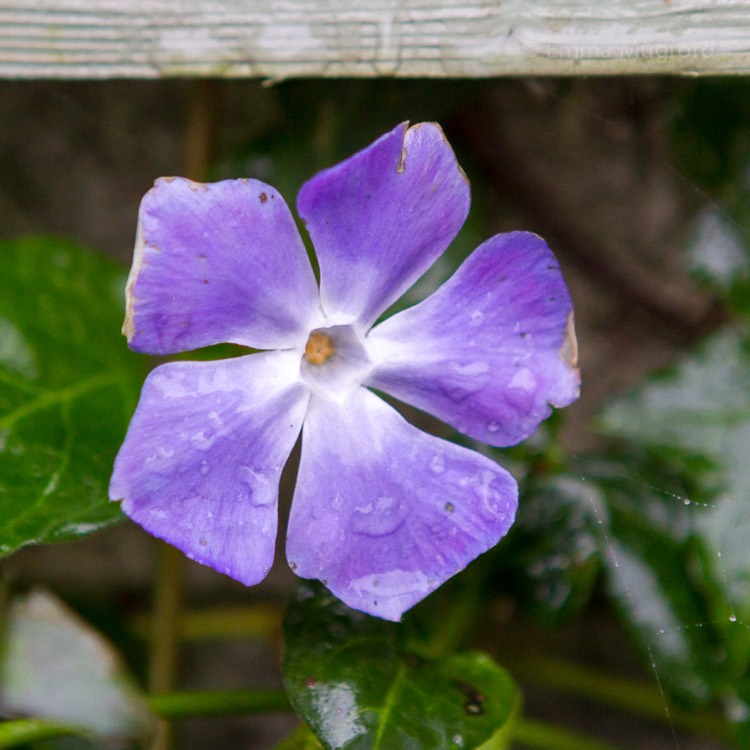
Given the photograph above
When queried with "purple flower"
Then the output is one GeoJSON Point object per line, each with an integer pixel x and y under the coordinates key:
{"type": "Point", "coordinates": [382, 513]}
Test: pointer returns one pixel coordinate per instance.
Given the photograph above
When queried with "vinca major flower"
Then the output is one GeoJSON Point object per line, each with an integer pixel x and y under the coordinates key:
{"type": "Point", "coordinates": [382, 512]}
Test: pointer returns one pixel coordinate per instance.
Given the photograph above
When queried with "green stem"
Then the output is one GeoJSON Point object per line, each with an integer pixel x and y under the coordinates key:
{"type": "Point", "coordinates": [168, 706]}
{"type": "Point", "coordinates": [165, 619]}
{"type": "Point", "coordinates": [164, 632]}
{"type": "Point", "coordinates": [630, 695]}
{"type": "Point", "coordinates": [540, 736]}
{"type": "Point", "coordinates": [261, 621]}
{"type": "Point", "coordinates": [218, 703]}
{"type": "Point", "coordinates": [16, 733]}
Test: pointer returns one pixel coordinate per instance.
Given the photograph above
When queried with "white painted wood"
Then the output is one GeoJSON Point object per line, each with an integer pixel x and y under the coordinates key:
{"type": "Point", "coordinates": [277, 39]}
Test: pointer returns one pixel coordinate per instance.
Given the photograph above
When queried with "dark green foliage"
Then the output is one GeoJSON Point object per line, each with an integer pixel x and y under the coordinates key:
{"type": "Point", "coordinates": [68, 386]}
{"type": "Point", "coordinates": [348, 677]}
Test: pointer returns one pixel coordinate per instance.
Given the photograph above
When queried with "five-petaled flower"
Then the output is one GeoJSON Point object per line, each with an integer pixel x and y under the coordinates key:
{"type": "Point", "coordinates": [382, 513]}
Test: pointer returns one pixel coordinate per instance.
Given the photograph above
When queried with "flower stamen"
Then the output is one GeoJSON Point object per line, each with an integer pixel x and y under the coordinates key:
{"type": "Point", "coordinates": [319, 348]}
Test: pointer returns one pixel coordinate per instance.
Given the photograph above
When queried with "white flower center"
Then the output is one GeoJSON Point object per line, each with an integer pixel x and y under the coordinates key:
{"type": "Point", "coordinates": [335, 362]}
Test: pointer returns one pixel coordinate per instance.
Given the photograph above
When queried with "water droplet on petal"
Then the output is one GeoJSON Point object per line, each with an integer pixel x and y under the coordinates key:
{"type": "Point", "coordinates": [493, 427]}
{"type": "Point", "coordinates": [458, 395]}
{"type": "Point", "coordinates": [437, 463]}
{"type": "Point", "coordinates": [470, 369]}
{"type": "Point", "coordinates": [205, 468]}
{"type": "Point", "coordinates": [477, 318]}
{"type": "Point", "coordinates": [336, 501]}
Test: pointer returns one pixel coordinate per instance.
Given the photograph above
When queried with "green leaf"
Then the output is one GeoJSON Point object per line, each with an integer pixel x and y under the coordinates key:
{"type": "Point", "coordinates": [56, 667]}
{"type": "Point", "coordinates": [347, 676]}
{"type": "Point", "coordinates": [652, 552]}
{"type": "Point", "coordinates": [68, 386]}
{"type": "Point", "coordinates": [679, 524]}
{"type": "Point", "coordinates": [703, 408]}
{"type": "Point", "coordinates": [552, 554]}
{"type": "Point", "coordinates": [301, 739]}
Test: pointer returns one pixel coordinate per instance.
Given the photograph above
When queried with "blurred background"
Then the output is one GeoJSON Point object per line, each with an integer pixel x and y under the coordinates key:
{"type": "Point", "coordinates": [630, 554]}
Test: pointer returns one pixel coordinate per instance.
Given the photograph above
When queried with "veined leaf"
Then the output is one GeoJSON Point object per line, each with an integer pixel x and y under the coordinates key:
{"type": "Point", "coordinates": [683, 571]}
{"type": "Point", "coordinates": [348, 678]}
{"type": "Point", "coordinates": [68, 386]}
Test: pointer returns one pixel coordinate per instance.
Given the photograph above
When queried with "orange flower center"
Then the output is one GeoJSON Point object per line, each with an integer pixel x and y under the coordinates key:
{"type": "Point", "coordinates": [319, 348]}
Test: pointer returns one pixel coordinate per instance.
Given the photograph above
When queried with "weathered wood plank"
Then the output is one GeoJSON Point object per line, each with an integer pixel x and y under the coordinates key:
{"type": "Point", "coordinates": [277, 39]}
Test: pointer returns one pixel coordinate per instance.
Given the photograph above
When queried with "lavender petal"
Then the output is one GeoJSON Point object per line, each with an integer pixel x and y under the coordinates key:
{"type": "Point", "coordinates": [489, 351]}
{"type": "Point", "coordinates": [384, 513]}
{"type": "Point", "coordinates": [201, 462]}
{"type": "Point", "coordinates": [215, 263]}
{"type": "Point", "coordinates": [380, 219]}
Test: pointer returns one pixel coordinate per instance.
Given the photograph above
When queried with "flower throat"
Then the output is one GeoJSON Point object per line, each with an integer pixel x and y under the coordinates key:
{"type": "Point", "coordinates": [319, 348]}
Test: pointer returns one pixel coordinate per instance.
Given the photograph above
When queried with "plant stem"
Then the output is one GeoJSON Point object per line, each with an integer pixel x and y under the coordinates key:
{"type": "Point", "coordinates": [633, 696]}
{"type": "Point", "coordinates": [201, 129]}
{"type": "Point", "coordinates": [540, 736]}
{"type": "Point", "coordinates": [164, 622]}
{"type": "Point", "coordinates": [218, 703]}
{"type": "Point", "coordinates": [261, 621]}
{"type": "Point", "coordinates": [167, 706]}
{"type": "Point", "coordinates": [164, 632]}
{"type": "Point", "coordinates": [22, 731]}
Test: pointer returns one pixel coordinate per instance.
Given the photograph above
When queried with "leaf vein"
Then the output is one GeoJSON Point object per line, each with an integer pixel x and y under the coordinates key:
{"type": "Point", "coordinates": [390, 701]}
{"type": "Point", "coordinates": [60, 396]}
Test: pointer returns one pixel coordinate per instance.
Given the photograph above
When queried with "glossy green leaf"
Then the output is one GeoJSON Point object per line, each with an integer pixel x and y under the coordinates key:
{"type": "Point", "coordinates": [704, 408]}
{"type": "Point", "coordinates": [301, 739]}
{"type": "Point", "coordinates": [68, 386]}
{"type": "Point", "coordinates": [552, 554]}
{"type": "Point", "coordinates": [347, 676]}
{"type": "Point", "coordinates": [651, 552]}
{"type": "Point", "coordinates": [679, 547]}
{"type": "Point", "coordinates": [56, 667]}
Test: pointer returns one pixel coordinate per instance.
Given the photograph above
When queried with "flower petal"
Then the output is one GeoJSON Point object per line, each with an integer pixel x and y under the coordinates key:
{"type": "Point", "coordinates": [202, 459]}
{"type": "Point", "coordinates": [380, 219]}
{"type": "Point", "coordinates": [491, 349]}
{"type": "Point", "coordinates": [384, 513]}
{"type": "Point", "coordinates": [217, 263]}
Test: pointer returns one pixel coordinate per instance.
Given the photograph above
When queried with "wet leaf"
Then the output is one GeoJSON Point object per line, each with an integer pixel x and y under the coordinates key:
{"type": "Point", "coordinates": [301, 739]}
{"type": "Point", "coordinates": [552, 553]}
{"type": "Point", "coordinates": [68, 386]}
{"type": "Point", "coordinates": [56, 667]}
{"type": "Point", "coordinates": [704, 408]}
{"type": "Point", "coordinates": [679, 562]}
{"type": "Point", "coordinates": [347, 676]}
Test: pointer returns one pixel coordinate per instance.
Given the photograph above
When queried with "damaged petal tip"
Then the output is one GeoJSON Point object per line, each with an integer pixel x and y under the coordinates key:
{"type": "Point", "coordinates": [434, 126]}
{"type": "Point", "coordinates": [192, 184]}
{"type": "Point", "coordinates": [128, 327]}
{"type": "Point", "coordinates": [406, 126]}
{"type": "Point", "coordinates": [569, 349]}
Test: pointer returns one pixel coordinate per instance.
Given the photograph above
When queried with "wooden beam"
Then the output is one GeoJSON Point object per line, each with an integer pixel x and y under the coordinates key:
{"type": "Point", "coordinates": [278, 39]}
